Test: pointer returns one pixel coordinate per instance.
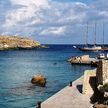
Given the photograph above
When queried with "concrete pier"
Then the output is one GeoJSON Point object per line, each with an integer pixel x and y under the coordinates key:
{"type": "Point", "coordinates": [69, 97]}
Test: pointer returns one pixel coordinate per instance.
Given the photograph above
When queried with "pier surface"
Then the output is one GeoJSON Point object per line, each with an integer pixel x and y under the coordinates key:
{"type": "Point", "coordinates": [69, 97]}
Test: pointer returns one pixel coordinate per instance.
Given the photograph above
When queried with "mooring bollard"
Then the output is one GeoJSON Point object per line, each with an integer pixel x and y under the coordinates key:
{"type": "Point", "coordinates": [38, 104]}
{"type": "Point", "coordinates": [70, 84]}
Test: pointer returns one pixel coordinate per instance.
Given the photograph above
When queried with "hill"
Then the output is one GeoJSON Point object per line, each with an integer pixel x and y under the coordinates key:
{"type": "Point", "coordinates": [15, 42]}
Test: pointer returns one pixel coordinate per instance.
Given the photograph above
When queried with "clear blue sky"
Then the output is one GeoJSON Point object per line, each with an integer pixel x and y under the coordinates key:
{"type": "Point", "coordinates": [50, 22]}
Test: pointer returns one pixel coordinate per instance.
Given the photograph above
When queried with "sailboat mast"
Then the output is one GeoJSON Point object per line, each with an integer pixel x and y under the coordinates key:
{"type": "Point", "coordinates": [103, 34]}
{"type": "Point", "coordinates": [95, 34]}
{"type": "Point", "coordinates": [87, 35]}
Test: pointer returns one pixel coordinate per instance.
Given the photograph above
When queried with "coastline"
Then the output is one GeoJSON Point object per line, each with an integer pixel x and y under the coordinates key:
{"type": "Point", "coordinates": [16, 42]}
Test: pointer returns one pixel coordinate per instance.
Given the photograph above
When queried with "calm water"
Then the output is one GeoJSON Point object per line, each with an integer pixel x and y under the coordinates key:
{"type": "Point", "coordinates": [18, 67]}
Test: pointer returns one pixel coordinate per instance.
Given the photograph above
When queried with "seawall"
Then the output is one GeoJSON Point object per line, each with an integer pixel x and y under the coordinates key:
{"type": "Point", "coordinates": [69, 97]}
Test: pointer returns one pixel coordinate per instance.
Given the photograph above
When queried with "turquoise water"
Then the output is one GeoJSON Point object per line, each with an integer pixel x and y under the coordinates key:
{"type": "Point", "coordinates": [18, 66]}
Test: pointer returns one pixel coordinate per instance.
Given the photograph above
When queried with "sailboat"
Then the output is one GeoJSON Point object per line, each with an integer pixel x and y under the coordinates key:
{"type": "Point", "coordinates": [94, 47]}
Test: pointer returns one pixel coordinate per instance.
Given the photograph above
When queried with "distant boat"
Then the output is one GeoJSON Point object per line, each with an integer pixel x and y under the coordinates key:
{"type": "Point", "coordinates": [101, 56]}
{"type": "Point", "coordinates": [94, 47]}
{"type": "Point", "coordinates": [74, 46]}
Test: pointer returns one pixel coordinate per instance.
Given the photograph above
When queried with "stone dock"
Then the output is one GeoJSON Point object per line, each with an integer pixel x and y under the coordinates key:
{"type": "Point", "coordinates": [69, 97]}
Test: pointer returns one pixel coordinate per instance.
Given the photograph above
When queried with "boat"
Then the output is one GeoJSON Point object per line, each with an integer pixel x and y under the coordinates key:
{"type": "Point", "coordinates": [101, 56]}
{"type": "Point", "coordinates": [95, 47]}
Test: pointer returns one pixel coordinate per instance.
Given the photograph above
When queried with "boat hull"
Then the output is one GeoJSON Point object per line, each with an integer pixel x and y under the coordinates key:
{"type": "Point", "coordinates": [93, 49]}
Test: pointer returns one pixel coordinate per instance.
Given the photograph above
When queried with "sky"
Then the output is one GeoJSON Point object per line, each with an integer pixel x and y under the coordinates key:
{"type": "Point", "coordinates": [54, 21]}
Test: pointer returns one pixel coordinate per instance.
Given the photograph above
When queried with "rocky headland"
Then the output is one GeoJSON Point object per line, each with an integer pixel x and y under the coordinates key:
{"type": "Point", "coordinates": [15, 42]}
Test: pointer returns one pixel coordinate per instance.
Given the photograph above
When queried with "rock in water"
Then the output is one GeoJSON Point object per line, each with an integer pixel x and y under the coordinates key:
{"type": "Point", "coordinates": [39, 80]}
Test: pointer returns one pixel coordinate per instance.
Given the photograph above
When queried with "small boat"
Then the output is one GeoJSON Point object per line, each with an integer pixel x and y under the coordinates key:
{"type": "Point", "coordinates": [101, 56]}
{"type": "Point", "coordinates": [74, 46]}
{"type": "Point", "coordinates": [107, 56]}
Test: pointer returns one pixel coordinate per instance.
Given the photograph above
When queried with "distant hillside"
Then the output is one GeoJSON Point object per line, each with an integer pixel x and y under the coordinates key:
{"type": "Point", "coordinates": [15, 42]}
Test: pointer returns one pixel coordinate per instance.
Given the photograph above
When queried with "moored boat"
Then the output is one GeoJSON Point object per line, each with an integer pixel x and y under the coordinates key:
{"type": "Point", "coordinates": [95, 47]}
{"type": "Point", "coordinates": [101, 56]}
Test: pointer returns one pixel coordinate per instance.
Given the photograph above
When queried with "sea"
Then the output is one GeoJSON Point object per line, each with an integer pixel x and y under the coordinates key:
{"type": "Point", "coordinates": [17, 67]}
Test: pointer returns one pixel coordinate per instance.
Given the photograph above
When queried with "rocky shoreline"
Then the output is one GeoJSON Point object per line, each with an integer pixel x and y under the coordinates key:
{"type": "Point", "coordinates": [15, 42]}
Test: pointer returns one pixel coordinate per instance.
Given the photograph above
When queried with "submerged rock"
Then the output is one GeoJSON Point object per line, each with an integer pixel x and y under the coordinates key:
{"type": "Point", "coordinates": [39, 80]}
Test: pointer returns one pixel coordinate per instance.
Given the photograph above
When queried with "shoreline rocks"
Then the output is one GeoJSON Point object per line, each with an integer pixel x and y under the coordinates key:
{"type": "Point", "coordinates": [83, 60]}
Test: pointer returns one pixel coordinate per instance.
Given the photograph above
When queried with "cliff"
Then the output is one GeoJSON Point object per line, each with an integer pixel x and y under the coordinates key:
{"type": "Point", "coordinates": [15, 42]}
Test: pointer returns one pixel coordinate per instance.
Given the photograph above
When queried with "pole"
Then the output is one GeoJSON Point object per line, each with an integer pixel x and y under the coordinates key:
{"type": "Point", "coordinates": [87, 35]}
{"type": "Point", "coordinates": [103, 33]}
{"type": "Point", "coordinates": [95, 34]}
